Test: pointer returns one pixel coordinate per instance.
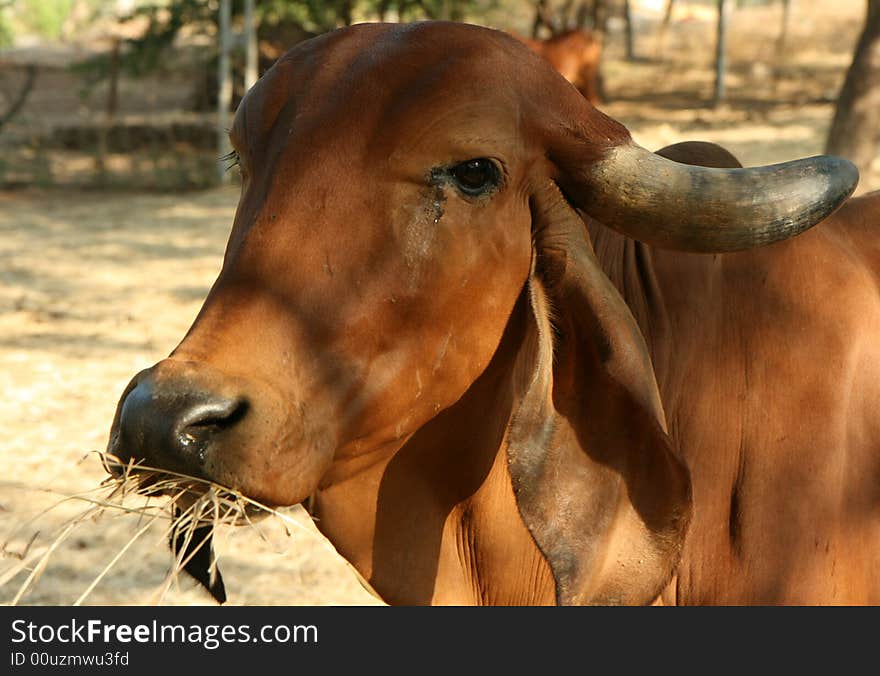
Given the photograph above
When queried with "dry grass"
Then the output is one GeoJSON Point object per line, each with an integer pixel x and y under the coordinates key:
{"type": "Point", "coordinates": [185, 510]}
{"type": "Point", "coordinates": [93, 288]}
{"type": "Point", "coordinates": [194, 510]}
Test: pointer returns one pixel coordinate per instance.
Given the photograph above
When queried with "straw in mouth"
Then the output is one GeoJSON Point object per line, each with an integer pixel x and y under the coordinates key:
{"type": "Point", "coordinates": [193, 507]}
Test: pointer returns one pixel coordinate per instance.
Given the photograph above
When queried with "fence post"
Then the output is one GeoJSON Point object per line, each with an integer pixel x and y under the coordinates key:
{"type": "Point", "coordinates": [224, 82]}
{"type": "Point", "coordinates": [251, 55]}
{"type": "Point", "coordinates": [721, 54]}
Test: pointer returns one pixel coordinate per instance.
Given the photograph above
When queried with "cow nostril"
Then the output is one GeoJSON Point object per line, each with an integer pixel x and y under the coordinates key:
{"type": "Point", "coordinates": [205, 420]}
{"type": "Point", "coordinates": [172, 425]}
{"type": "Point", "coordinates": [217, 413]}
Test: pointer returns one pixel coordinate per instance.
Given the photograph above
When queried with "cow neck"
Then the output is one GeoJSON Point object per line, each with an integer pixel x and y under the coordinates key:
{"type": "Point", "coordinates": [435, 521]}
{"type": "Point", "coordinates": [649, 279]}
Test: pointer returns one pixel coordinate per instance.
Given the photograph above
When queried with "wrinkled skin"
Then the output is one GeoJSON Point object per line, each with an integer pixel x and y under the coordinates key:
{"type": "Point", "coordinates": [464, 385]}
{"type": "Point", "coordinates": [769, 379]}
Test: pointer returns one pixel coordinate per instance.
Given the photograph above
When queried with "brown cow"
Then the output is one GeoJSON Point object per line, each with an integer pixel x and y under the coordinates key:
{"type": "Point", "coordinates": [576, 54]}
{"type": "Point", "coordinates": [510, 355]}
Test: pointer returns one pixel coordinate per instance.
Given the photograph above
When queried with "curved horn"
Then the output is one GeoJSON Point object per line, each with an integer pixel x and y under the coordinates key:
{"type": "Point", "coordinates": [709, 210]}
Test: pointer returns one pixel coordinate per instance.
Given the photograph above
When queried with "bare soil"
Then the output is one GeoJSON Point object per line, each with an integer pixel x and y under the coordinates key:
{"type": "Point", "coordinates": [95, 286]}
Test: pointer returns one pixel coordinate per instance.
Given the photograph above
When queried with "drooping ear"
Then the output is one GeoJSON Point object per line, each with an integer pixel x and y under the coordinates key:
{"type": "Point", "coordinates": [594, 473]}
{"type": "Point", "coordinates": [700, 154]}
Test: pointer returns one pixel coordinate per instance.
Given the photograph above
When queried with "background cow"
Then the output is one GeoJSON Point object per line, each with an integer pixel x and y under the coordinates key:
{"type": "Point", "coordinates": [577, 55]}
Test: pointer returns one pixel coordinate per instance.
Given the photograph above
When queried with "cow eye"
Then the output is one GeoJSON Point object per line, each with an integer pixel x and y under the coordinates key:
{"type": "Point", "coordinates": [475, 177]}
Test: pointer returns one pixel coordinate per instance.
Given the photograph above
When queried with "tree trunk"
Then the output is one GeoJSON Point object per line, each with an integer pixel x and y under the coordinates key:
{"type": "Point", "coordinates": [110, 108]}
{"type": "Point", "coordinates": [224, 80]}
{"type": "Point", "coordinates": [382, 10]}
{"type": "Point", "coordinates": [583, 14]}
{"type": "Point", "coordinates": [112, 103]}
{"type": "Point", "coordinates": [600, 16]}
{"type": "Point", "coordinates": [537, 19]}
{"type": "Point", "coordinates": [21, 97]}
{"type": "Point", "coordinates": [251, 49]}
{"type": "Point", "coordinates": [855, 130]}
{"type": "Point", "coordinates": [780, 50]}
{"type": "Point", "coordinates": [630, 39]}
{"type": "Point", "coordinates": [664, 27]}
{"type": "Point", "coordinates": [782, 39]}
{"type": "Point", "coordinates": [543, 17]}
{"type": "Point", "coordinates": [344, 12]}
{"type": "Point", "coordinates": [721, 54]}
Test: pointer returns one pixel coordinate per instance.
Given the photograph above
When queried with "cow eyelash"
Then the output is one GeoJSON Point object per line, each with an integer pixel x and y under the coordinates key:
{"type": "Point", "coordinates": [477, 177]}
{"type": "Point", "coordinates": [233, 159]}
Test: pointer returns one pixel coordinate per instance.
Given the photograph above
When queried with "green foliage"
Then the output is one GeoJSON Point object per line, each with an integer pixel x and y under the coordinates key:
{"type": "Point", "coordinates": [316, 16]}
{"type": "Point", "coordinates": [44, 17]}
{"type": "Point", "coordinates": [165, 22]}
{"type": "Point", "coordinates": [5, 31]}
{"type": "Point", "coordinates": [167, 18]}
{"type": "Point", "coordinates": [145, 55]}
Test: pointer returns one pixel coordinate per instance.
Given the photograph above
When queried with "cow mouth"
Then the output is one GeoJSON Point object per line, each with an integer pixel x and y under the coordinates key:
{"type": "Point", "coordinates": [187, 493]}
{"type": "Point", "coordinates": [196, 507]}
{"type": "Point", "coordinates": [195, 439]}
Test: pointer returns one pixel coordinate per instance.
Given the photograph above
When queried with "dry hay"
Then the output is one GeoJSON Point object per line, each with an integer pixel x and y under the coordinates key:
{"type": "Point", "coordinates": [193, 510]}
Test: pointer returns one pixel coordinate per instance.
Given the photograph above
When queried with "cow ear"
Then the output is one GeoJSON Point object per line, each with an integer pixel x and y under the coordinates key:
{"type": "Point", "coordinates": [595, 476]}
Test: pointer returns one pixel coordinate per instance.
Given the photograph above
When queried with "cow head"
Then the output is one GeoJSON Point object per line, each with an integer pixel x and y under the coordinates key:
{"type": "Point", "coordinates": [412, 216]}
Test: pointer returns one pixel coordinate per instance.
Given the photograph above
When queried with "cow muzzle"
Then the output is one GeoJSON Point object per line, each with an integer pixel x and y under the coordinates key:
{"type": "Point", "coordinates": [189, 419]}
{"type": "Point", "coordinates": [176, 418]}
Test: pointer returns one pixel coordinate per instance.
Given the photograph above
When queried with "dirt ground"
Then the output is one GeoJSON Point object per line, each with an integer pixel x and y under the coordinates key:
{"type": "Point", "coordinates": [93, 288]}
{"type": "Point", "coordinates": [96, 286]}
